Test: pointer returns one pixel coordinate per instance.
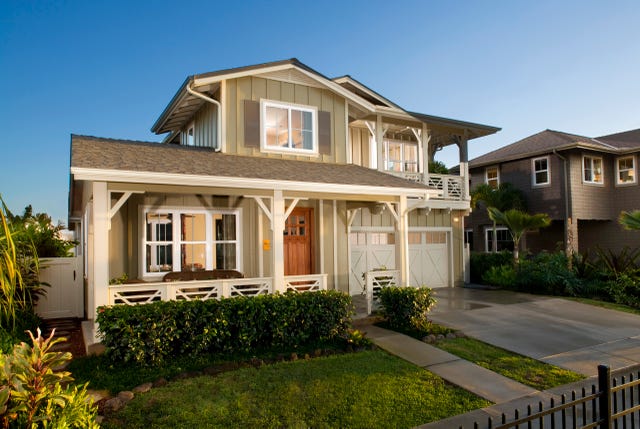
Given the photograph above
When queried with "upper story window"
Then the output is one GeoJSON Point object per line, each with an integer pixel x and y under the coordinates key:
{"type": "Point", "coordinates": [401, 156]}
{"type": "Point", "coordinates": [492, 176]}
{"type": "Point", "coordinates": [190, 239]}
{"type": "Point", "coordinates": [540, 172]}
{"type": "Point", "coordinates": [289, 128]}
{"type": "Point", "coordinates": [592, 169]}
{"type": "Point", "coordinates": [626, 170]}
{"type": "Point", "coordinates": [189, 136]}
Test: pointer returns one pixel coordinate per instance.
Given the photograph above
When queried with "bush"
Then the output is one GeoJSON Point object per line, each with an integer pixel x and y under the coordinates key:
{"type": "Point", "coordinates": [626, 289]}
{"type": "Point", "coordinates": [547, 273]}
{"type": "Point", "coordinates": [31, 392]}
{"type": "Point", "coordinates": [149, 334]}
{"type": "Point", "coordinates": [503, 276]}
{"type": "Point", "coordinates": [482, 262]}
{"type": "Point", "coordinates": [407, 307]}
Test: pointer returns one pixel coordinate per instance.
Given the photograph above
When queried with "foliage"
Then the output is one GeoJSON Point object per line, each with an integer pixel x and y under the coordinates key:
{"type": "Point", "coordinates": [119, 280]}
{"type": "Point", "coordinates": [438, 167]}
{"type": "Point", "coordinates": [528, 371]}
{"type": "Point", "coordinates": [625, 289]}
{"type": "Point", "coordinates": [630, 220]}
{"type": "Point", "coordinates": [612, 264]}
{"type": "Point", "coordinates": [356, 338]}
{"type": "Point", "coordinates": [38, 235]}
{"type": "Point", "coordinates": [547, 273]}
{"type": "Point", "coordinates": [407, 307]}
{"type": "Point", "coordinates": [482, 262]}
{"type": "Point", "coordinates": [19, 283]}
{"type": "Point", "coordinates": [370, 389]}
{"type": "Point", "coordinates": [502, 275]}
{"type": "Point", "coordinates": [518, 223]}
{"type": "Point", "coordinates": [152, 333]}
{"type": "Point", "coordinates": [32, 393]}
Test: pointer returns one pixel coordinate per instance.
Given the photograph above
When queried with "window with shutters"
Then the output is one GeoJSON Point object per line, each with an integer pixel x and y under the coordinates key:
{"type": "Point", "coordinates": [288, 128]}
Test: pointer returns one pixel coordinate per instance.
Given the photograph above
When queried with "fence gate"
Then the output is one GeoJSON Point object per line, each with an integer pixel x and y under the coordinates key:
{"type": "Point", "coordinates": [65, 295]}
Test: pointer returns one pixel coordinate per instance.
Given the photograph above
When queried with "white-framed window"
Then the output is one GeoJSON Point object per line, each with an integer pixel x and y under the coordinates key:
{"type": "Point", "coordinates": [468, 237]}
{"type": "Point", "coordinates": [504, 240]}
{"type": "Point", "coordinates": [592, 169]}
{"type": "Point", "coordinates": [492, 176]}
{"type": "Point", "coordinates": [189, 138]}
{"type": "Point", "coordinates": [626, 170]}
{"type": "Point", "coordinates": [400, 156]}
{"type": "Point", "coordinates": [540, 171]}
{"type": "Point", "coordinates": [184, 239]}
{"type": "Point", "coordinates": [288, 127]}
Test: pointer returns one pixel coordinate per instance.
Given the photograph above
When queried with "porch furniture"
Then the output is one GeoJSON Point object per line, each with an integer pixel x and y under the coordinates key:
{"type": "Point", "coordinates": [183, 276]}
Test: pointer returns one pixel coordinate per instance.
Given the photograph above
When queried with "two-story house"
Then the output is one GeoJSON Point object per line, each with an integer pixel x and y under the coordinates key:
{"type": "Point", "coordinates": [292, 179]}
{"type": "Point", "coordinates": [582, 183]}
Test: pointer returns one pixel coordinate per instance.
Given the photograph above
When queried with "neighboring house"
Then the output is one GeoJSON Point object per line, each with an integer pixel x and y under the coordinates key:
{"type": "Point", "coordinates": [295, 180]}
{"type": "Point", "coordinates": [582, 183]}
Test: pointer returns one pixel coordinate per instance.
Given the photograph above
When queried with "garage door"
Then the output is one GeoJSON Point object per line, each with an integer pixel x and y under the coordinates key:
{"type": "Point", "coordinates": [429, 263]}
{"type": "Point", "coordinates": [369, 251]}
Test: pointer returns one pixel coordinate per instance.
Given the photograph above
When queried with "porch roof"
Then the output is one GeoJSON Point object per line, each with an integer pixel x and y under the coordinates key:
{"type": "Point", "coordinates": [103, 155]}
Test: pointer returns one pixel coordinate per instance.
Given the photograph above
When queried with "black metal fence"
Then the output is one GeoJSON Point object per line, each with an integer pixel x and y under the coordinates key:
{"type": "Point", "coordinates": [613, 404]}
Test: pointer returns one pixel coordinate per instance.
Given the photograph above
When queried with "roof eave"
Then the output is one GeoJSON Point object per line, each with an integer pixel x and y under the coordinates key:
{"type": "Point", "coordinates": [173, 104]}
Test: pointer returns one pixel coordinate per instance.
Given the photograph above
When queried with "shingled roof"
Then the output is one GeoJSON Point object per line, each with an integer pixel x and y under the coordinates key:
{"type": "Point", "coordinates": [549, 140]}
{"type": "Point", "coordinates": [136, 156]}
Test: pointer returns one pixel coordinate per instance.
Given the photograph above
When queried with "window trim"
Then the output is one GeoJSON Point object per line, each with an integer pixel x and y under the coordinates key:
{"type": "Point", "coordinates": [486, 176]}
{"type": "Point", "coordinates": [176, 242]}
{"type": "Point", "coordinates": [191, 128]}
{"type": "Point", "coordinates": [264, 103]}
{"type": "Point", "coordinates": [403, 161]}
{"type": "Point", "coordinates": [489, 229]}
{"type": "Point", "coordinates": [592, 158]}
{"type": "Point", "coordinates": [634, 169]}
{"type": "Point", "coordinates": [534, 172]}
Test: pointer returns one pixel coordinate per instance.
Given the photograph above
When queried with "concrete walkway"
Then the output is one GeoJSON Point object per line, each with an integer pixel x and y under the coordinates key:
{"type": "Point", "coordinates": [469, 376]}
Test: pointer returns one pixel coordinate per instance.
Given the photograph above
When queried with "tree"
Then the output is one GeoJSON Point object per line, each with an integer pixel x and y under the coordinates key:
{"type": "Point", "coordinates": [518, 223]}
{"type": "Point", "coordinates": [504, 197]}
{"type": "Point", "coordinates": [630, 220]}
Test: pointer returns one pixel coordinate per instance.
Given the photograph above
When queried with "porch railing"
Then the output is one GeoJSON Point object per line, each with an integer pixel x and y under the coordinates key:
{"type": "Point", "coordinates": [449, 185]}
{"type": "Point", "coordinates": [376, 280]}
{"type": "Point", "coordinates": [144, 293]}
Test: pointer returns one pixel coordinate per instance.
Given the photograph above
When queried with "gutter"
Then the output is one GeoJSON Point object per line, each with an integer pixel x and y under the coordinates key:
{"type": "Point", "coordinates": [218, 111]}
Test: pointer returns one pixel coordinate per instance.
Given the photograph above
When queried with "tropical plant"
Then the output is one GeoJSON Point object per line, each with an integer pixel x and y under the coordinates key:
{"type": "Point", "coordinates": [438, 167]}
{"type": "Point", "coordinates": [37, 233]}
{"type": "Point", "coordinates": [518, 223]}
{"type": "Point", "coordinates": [504, 197]}
{"type": "Point", "coordinates": [32, 393]}
{"type": "Point", "coordinates": [630, 220]}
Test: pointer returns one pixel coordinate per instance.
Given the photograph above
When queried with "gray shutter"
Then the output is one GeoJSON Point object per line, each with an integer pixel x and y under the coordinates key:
{"type": "Point", "coordinates": [324, 133]}
{"type": "Point", "coordinates": [251, 123]}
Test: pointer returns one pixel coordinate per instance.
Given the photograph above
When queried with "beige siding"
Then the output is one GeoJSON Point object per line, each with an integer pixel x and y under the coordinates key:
{"type": "Point", "coordinates": [360, 147]}
{"type": "Point", "coordinates": [257, 88]}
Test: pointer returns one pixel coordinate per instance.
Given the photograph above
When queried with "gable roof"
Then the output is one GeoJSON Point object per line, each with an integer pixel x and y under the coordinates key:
{"type": "Point", "coordinates": [102, 155]}
{"type": "Point", "coordinates": [549, 140]}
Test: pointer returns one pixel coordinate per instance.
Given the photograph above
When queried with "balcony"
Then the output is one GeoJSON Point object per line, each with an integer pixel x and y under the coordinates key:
{"type": "Point", "coordinates": [450, 187]}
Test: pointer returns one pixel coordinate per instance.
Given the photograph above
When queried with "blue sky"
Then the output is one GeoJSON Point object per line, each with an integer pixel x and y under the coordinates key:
{"type": "Point", "coordinates": [109, 68]}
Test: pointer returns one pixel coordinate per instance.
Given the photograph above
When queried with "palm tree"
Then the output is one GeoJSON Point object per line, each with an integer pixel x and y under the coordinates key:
{"type": "Point", "coordinates": [518, 223]}
{"type": "Point", "coordinates": [630, 220]}
{"type": "Point", "coordinates": [504, 197]}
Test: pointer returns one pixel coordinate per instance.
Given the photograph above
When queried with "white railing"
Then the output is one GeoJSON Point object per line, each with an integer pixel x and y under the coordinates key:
{"type": "Point", "coordinates": [376, 280]}
{"type": "Point", "coordinates": [412, 176]}
{"type": "Point", "coordinates": [451, 187]}
{"type": "Point", "coordinates": [145, 293]}
{"type": "Point", "coordinates": [306, 283]}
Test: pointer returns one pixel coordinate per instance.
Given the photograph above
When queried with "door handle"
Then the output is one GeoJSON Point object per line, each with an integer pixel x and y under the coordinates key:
{"type": "Point", "coordinates": [74, 275]}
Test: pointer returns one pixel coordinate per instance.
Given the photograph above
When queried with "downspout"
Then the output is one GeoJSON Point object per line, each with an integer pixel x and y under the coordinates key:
{"type": "Point", "coordinates": [219, 114]}
{"type": "Point", "coordinates": [566, 202]}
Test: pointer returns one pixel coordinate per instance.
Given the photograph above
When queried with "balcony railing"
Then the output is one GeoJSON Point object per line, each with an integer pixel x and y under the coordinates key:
{"type": "Point", "coordinates": [144, 293]}
{"type": "Point", "coordinates": [450, 186]}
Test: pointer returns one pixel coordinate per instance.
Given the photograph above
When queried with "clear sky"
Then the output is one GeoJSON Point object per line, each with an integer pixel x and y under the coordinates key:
{"type": "Point", "coordinates": [109, 68]}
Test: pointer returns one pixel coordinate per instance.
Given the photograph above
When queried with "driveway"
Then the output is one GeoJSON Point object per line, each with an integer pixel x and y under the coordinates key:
{"type": "Point", "coordinates": [561, 332]}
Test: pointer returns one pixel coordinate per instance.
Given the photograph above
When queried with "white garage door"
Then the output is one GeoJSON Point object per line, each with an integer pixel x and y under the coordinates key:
{"type": "Point", "coordinates": [429, 263]}
{"type": "Point", "coordinates": [369, 251]}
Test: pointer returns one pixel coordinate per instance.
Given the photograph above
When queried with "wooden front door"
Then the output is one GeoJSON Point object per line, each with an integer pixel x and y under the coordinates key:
{"type": "Point", "coordinates": [298, 242]}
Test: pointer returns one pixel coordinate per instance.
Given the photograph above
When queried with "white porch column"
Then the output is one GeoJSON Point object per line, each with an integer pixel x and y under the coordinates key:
{"type": "Point", "coordinates": [426, 139]}
{"type": "Point", "coordinates": [100, 272]}
{"type": "Point", "coordinates": [278, 214]}
{"type": "Point", "coordinates": [403, 232]}
{"type": "Point", "coordinates": [464, 166]}
{"type": "Point", "coordinates": [379, 143]}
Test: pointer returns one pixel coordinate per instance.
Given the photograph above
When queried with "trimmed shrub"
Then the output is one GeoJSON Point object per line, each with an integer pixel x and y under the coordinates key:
{"type": "Point", "coordinates": [626, 290]}
{"type": "Point", "coordinates": [503, 276]}
{"type": "Point", "coordinates": [547, 273]}
{"type": "Point", "coordinates": [149, 334]}
{"type": "Point", "coordinates": [407, 307]}
{"type": "Point", "coordinates": [482, 262]}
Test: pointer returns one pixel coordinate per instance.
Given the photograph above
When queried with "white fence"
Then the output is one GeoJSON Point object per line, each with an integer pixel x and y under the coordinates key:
{"type": "Point", "coordinates": [144, 293]}
{"type": "Point", "coordinates": [65, 293]}
{"type": "Point", "coordinates": [376, 280]}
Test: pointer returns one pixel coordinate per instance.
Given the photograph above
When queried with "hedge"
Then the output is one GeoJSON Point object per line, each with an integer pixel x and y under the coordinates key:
{"type": "Point", "coordinates": [151, 333]}
{"type": "Point", "coordinates": [407, 307]}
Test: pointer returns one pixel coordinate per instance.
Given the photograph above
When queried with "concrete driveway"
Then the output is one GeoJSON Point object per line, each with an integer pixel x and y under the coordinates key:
{"type": "Point", "coordinates": [554, 330]}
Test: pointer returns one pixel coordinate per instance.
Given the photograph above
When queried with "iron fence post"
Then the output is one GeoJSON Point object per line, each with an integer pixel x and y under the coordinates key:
{"type": "Point", "coordinates": [604, 386]}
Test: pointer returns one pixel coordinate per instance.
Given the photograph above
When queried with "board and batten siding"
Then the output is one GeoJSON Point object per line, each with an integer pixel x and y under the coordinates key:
{"type": "Point", "coordinates": [360, 146]}
{"type": "Point", "coordinates": [256, 88]}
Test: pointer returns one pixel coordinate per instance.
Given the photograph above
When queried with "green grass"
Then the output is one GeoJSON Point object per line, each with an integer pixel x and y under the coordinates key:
{"type": "Point", "coordinates": [525, 370]}
{"type": "Point", "coordinates": [369, 389]}
{"type": "Point", "coordinates": [605, 304]}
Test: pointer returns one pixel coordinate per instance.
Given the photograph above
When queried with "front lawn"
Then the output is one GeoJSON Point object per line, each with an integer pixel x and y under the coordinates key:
{"type": "Point", "coordinates": [525, 370]}
{"type": "Point", "coordinates": [358, 390]}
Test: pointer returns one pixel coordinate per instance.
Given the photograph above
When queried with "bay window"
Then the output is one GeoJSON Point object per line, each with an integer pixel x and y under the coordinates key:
{"type": "Point", "coordinates": [190, 240]}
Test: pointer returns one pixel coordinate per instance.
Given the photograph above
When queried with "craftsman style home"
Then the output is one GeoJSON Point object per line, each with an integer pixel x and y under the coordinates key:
{"type": "Point", "coordinates": [582, 183]}
{"type": "Point", "coordinates": [270, 178]}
